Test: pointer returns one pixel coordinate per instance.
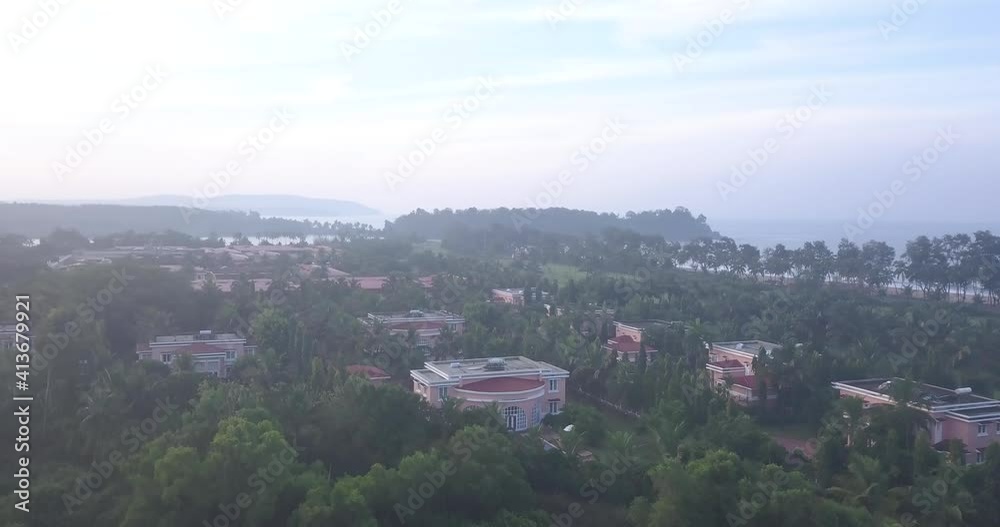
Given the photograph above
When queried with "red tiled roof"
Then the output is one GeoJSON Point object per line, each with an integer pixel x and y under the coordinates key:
{"type": "Point", "coordinates": [502, 384]}
{"type": "Point", "coordinates": [200, 347]}
{"type": "Point", "coordinates": [371, 372]}
{"type": "Point", "coordinates": [728, 363]}
{"type": "Point", "coordinates": [370, 282]}
{"type": "Point", "coordinates": [625, 343]}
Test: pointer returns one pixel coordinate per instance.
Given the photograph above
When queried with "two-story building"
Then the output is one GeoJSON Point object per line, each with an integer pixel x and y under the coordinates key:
{"type": "Point", "coordinates": [629, 337]}
{"type": "Point", "coordinates": [955, 414]}
{"type": "Point", "coordinates": [518, 296]}
{"type": "Point", "coordinates": [525, 390]}
{"type": "Point", "coordinates": [426, 325]}
{"type": "Point", "coordinates": [731, 363]}
{"type": "Point", "coordinates": [212, 353]}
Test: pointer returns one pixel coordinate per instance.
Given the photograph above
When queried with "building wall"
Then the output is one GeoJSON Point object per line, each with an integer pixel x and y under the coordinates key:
{"type": "Point", "coordinates": [969, 433]}
{"type": "Point", "coordinates": [508, 298]}
{"type": "Point", "coordinates": [951, 428]}
{"type": "Point", "coordinates": [431, 395]}
{"type": "Point", "coordinates": [741, 394]}
{"type": "Point", "coordinates": [220, 366]}
{"type": "Point", "coordinates": [717, 355]}
{"type": "Point", "coordinates": [867, 400]}
{"type": "Point", "coordinates": [633, 356]}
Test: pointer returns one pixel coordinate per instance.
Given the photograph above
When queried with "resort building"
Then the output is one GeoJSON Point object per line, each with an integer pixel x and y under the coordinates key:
{"type": "Point", "coordinates": [377, 283]}
{"type": "Point", "coordinates": [426, 325]}
{"type": "Point", "coordinates": [955, 414]}
{"type": "Point", "coordinates": [212, 353]}
{"type": "Point", "coordinates": [731, 363]}
{"type": "Point", "coordinates": [525, 390]}
{"type": "Point", "coordinates": [519, 296]}
{"type": "Point", "coordinates": [372, 374]}
{"type": "Point", "coordinates": [628, 338]}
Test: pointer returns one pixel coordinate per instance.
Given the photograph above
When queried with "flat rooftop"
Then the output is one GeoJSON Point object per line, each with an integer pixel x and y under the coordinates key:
{"type": "Point", "coordinates": [415, 315]}
{"type": "Point", "coordinates": [164, 339]}
{"type": "Point", "coordinates": [747, 346]}
{"type": "Point", "coordinates": [928, 394]}
{"type": "Point", "coordinates": [645, 323]}
{"type": "Point", "coordinates": [456, 369]}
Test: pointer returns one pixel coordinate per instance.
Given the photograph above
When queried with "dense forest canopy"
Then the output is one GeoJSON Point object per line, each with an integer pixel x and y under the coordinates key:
{"type": "Point", "coordinates": [676, 225]}
{"type": "Point", "coordinates": [292, 440]}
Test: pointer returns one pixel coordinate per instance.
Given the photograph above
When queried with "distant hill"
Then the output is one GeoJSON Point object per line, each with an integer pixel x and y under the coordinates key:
{"type": "Point", "coordinates": [36, 220]}
{"type": "Point", "coordinates": [676, 225]}
{"type": "Point", "coordinates": [264, 204]}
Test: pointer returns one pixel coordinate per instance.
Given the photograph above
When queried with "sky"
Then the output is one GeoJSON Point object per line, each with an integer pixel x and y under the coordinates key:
{"type": "Point", "coordinates": [762, 109]}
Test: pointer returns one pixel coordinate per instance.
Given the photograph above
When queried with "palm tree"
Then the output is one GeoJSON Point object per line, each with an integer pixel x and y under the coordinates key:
{"type": "Point", "coordinates": [867, 484]}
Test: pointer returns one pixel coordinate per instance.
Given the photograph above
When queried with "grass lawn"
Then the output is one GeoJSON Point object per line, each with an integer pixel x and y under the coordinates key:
{"type": "Point", "coordinates": [617, 422]}
{"type": "Point", "coordinates": [562, 273]}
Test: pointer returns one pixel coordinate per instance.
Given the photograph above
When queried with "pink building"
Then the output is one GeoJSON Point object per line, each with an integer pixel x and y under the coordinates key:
{"type": "Point", "coordinates": [516, 296]}
{"type": "Point", "coordinates": [731, 363]}
{"type": "Point", "coordinates": [427, 325]}
{"type": "Point", "coordinates": [212, 353]}
{"type": "Point", "coordinates": [955, 414]}
{"type": "Point", "coordinates": [509, 296]}
{"type": "Point", "coordinates": [377, 283]}
{"type": "Point", "coordinates": [628, 337]}
{"type": "Point", "coordinates": [525, 390]}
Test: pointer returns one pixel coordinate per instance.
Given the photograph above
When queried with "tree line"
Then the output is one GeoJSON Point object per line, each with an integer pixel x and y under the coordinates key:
{"type": "Point", "coordinates": [942, 268]}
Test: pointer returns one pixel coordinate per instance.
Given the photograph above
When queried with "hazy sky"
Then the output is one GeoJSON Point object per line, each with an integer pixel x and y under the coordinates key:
{"type": "Point", "coordinates": [699, 88]}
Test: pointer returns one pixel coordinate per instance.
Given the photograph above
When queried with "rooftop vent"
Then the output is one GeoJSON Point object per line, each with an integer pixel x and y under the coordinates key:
{"type": "Point", "coordinates": [456, 365]}
{"type": "Point", "coordinates": [739, 346]}
{"type": "Point", "coordinates": [963, 391]}
{"type": "Point", "coordinates": [416, 313]}
{"type": "Point", "coordinates": [495, 364]}
{"type": "Point", "coordinates": [885, 386]}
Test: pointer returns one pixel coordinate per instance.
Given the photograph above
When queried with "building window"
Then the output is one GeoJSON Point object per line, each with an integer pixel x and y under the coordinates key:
{"type": "Point", "coordinates": [982, 429]}
{"type": "Point", "coordinates": [980, 457]}
{"type": "Point", "coordinates": [442, 392]}
{"type": "Point", "coordinates": [167, 358]}
{"type": "Point", "coordinates": [553, 407]}
{"type": "Point", "coordinates": [230, 354]}
{"type": "Point", "coordinates": [515, 418]}
{"type": "Point", "coordinates": [536, 415]}
{"type": "Point", "coordinates": [146, 356]}
{"type": "Point", "coordinates": [553, 385]}
{"type": "Point", "coordinates": [998, 428]}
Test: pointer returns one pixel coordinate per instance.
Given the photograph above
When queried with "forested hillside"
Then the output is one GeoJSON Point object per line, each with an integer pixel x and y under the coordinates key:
{"type": "Point", "coordinates": [37, 220]}
{"type": "Point", "coordinates": [676, 225]}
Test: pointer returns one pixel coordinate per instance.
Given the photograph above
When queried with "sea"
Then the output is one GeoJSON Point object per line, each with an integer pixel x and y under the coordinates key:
{"type": "Point", "coordinates": [794, 233]}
